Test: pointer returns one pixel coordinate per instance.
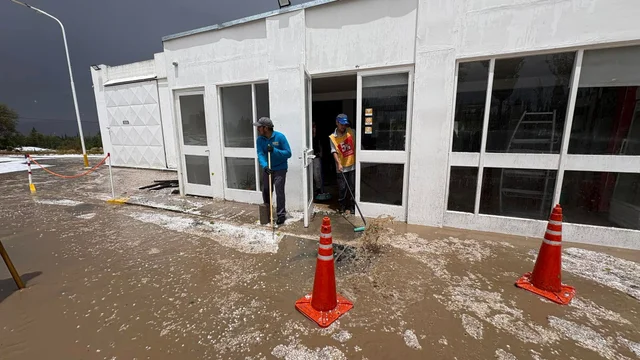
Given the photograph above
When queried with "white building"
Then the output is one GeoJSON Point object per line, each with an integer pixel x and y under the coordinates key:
{"type": "Point", "coordinates": [469, 114]}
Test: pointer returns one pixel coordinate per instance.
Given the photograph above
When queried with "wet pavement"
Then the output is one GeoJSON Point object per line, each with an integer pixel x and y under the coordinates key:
{"type": "Point", "coordinates": [201, 280]}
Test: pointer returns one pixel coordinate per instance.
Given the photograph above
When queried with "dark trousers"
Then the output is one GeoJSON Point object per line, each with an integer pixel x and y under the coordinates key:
{"type": "Point", "coordinates": [279, 178]}
{"type": "Point", "coordinates": [346, 201]}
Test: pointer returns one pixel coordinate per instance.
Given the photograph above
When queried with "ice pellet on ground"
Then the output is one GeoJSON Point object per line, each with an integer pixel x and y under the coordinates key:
{"type": "Point", "coordinates": [472, 326]}
{"type": "Point", "coordinates": [63, 202]}
{"type": "Point", "coordinates": [605, 269]}
{"type": "Point", "coordinates": [633, 346]}
{"type": "Point", "coordinates": [342, 336]}
{"type": "Point", "coordinates": [301, 352]}
{"type": "Point", "coordinates": [585, 337]}
{"type": "Point", "coordinates": [411, 340]}
{"type": "Point", "coordinates": [503, 355]}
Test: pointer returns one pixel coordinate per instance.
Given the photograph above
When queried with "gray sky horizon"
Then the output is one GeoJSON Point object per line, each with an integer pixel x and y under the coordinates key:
{"type": "Point", "coordinates": [112, 32]}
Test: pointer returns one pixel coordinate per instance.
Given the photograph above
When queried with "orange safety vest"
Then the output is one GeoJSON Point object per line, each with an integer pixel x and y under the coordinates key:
{"type": "Point", "coordinates": [346, 148]}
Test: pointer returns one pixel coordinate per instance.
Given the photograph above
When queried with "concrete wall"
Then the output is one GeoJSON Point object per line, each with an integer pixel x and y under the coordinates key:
{"type": "Point", "coordinates": [467, 29]}
{"type": "Point", "coordinates": [358, 34]}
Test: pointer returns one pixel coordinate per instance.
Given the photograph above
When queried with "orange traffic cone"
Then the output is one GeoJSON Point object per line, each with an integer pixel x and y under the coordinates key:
{"type": "Point", "coordinates": [546, 277]}
{"type": "Point", "coordinates": [324, 305]}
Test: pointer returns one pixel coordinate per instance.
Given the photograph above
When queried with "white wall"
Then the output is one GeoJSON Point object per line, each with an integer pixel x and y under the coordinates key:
{"type": "Point", "coordinates": [168, 128]}
{"type": "Point", "coordinates": [98, 78]}
{"type": "Point", "coordinates": [143, 69]}
{"type": "Point", "coordinates": [286, 41]}
{"type": "Point", "coordinates": [466, 29]}
{"type": "Point", "coordinates": [231, 55]}
{"type": "Point", "coordinates": [357, 34]}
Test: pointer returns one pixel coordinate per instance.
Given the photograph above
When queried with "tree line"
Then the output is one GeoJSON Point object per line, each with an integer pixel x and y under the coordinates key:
{"type": "Point", "coordinates": [11, 139]}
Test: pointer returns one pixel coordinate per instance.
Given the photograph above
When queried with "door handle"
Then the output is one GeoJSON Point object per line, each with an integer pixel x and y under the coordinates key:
{"type": "Point", "coordinates": [207, 151]}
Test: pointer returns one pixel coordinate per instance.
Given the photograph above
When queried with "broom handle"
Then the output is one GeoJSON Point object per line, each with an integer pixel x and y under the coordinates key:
{"type": "Point", "coordinates": [354, 198]}
{"type": "Point", "coordinates": [270, 192]}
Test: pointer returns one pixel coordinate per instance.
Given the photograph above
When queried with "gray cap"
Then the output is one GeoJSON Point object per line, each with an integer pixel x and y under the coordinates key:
{"type": "Point", "coordinates": [264, 121]}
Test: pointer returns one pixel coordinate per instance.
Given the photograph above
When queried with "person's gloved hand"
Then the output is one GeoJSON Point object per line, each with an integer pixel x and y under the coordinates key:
{"type": "Point", "coordinates": [269, 148]}
{"type": "Point", "coordinates": [268, 171]}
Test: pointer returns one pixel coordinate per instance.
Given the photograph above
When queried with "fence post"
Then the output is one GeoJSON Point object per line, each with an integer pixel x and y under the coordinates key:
{"type": "Point", "coordinates": [32, 187]}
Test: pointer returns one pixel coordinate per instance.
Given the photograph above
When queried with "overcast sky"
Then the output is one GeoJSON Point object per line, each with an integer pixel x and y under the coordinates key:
{"type": "Point", "coordinates": [33, 73]}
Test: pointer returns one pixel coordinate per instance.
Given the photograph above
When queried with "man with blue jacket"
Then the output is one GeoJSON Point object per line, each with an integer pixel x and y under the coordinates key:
{"type": "Point", "coordinates": [275, 143]}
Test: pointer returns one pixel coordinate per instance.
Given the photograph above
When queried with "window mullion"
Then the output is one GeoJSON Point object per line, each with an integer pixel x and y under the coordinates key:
{"type": "Point", "coordinates": [485, 129]}
{"type": "Point", "coordinates": [566, 137]}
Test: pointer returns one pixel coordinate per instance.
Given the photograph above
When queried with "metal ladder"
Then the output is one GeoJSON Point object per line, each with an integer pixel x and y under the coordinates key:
{"type": "Point", "coordinates": [520, 142]}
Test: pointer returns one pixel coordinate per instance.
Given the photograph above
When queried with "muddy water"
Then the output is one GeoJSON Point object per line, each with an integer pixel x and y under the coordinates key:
{"type": "Point", "coordinates": [104, 285]}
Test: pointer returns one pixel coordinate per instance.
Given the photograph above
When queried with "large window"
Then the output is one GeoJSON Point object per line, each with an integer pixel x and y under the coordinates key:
{"type": "Point", "coordinates": [241, 106]}
{"type": "Point", "coordinates": [529, 103]}
{"type": "Point", "coordinates": [470, 101]}
{"type": "Point", "coordinates": [600, 198]}
{"type": "Point", "coordinates": [551, 137]}
{"type": "Point", "coordinates": [606, 119]}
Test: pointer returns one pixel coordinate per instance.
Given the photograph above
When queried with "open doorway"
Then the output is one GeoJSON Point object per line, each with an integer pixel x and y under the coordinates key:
{"type": "Point", "coordinates": [331, 96]}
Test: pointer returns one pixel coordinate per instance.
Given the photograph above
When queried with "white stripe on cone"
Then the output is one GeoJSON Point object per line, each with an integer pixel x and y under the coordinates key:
{"type": "Point", "coordinates": [551, 242]}
{"type": "Point", "coordinates": [325, 258]}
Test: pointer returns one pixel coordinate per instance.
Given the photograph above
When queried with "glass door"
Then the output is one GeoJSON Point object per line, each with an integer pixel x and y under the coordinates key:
{"type": "Point", "coordinates": [192, 130]}
{"type": "Point", "coordinates": [307, 156]}
{"type": "Point", "coordinates": [240, 106]}
{"type": "Point", "coordinates": [383, 124]}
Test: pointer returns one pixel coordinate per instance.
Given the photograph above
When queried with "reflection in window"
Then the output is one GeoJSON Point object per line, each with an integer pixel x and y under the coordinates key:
{"type": "Point", "coordinates": [384, 112]}
{"type": "Point", "coordinates": [237, 116]}
{"type": "Point", "coordinates": [528, 103]}
{"type": "Point", "coordinates": [517, 192]}
{"type": "Point", "coordinates": [381, 183]}
{"type": "Point", "coordinates": [262, 100]}
{"type": "Point", "coordinates": [194, 127]}
{"type": "Point", "coordinates": [603, 199]}
{"type": "Point", "coordinates": [197, 169]}
{"type": "Point", "coordinates": [471, 96]}
{"type": "Point", "coordinates": [607, 114]}
{"type": "Point", "coordinates": [241, 173]}
{"type": "Point", "coordinates": [462, 188]}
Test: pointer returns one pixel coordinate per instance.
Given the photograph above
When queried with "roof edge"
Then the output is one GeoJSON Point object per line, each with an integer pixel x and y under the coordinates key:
{"type": "Point", "coordinates": [247, 19]}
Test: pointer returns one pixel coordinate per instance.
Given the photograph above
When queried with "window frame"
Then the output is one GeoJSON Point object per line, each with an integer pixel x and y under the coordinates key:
{"type": "Point", "coordinates": [561, 162]}
{"type": "Point", "coordinates": [248, 196]}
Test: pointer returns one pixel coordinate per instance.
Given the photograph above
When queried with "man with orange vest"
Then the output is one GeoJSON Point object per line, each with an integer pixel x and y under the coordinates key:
{"type": "Point", "coordinates": [343, 148]}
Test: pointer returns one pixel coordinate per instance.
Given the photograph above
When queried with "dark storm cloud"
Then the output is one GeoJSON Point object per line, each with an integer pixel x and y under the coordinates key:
{"type": "Point", "coordinates": [33, 72]}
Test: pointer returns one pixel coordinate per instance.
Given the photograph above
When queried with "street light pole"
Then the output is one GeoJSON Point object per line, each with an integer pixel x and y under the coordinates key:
{"type": "Point", "coordinates": [73, 86]}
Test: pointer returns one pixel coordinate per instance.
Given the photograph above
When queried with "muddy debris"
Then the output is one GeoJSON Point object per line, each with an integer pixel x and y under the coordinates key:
{"type": "Point", "coordinates": [373, 237]}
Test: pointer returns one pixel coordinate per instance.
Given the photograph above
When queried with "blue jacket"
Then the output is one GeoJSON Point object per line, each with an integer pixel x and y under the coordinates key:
{"type": "Point", "coordinates": [281, 151]}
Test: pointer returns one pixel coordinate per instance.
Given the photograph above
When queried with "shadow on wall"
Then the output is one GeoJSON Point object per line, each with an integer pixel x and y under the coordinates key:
{"type": "Point", "coordinates": [255, 30]}
{"type": "Point", "coordinates": [345, 13]}
{"type": "Point", "coordinates": [8, 286]}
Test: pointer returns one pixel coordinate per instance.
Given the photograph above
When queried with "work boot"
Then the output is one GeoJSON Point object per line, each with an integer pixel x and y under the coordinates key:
{"type": "Point", "coordinates": [280, 221]}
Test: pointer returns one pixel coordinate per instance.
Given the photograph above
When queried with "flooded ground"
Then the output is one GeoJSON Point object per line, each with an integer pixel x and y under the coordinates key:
{"type": "Point", "coordinates": [134, 282]}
